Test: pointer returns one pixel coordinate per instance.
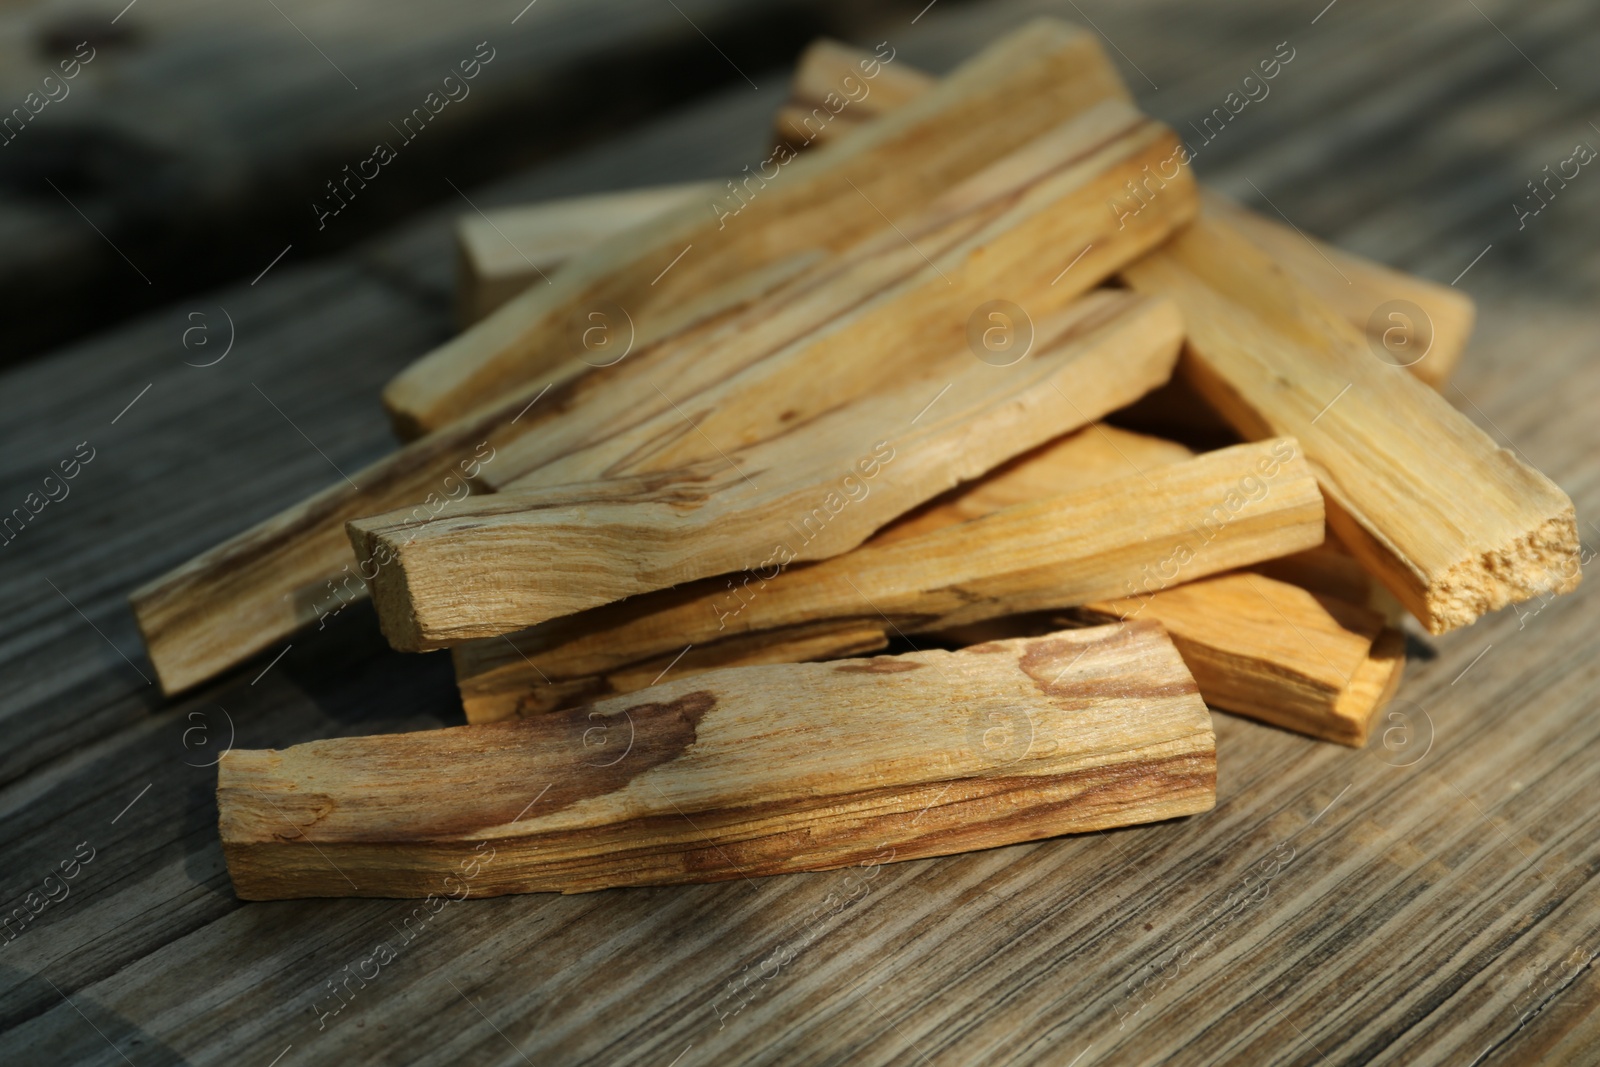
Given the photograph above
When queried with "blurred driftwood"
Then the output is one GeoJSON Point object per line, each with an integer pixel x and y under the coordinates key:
{"type": "Point", "coordinates": [197, 137]}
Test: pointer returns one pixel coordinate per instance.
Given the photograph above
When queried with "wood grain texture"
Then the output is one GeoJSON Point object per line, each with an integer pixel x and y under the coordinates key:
{"type": "Point", "coordinates": [496, 680]}
{"type": "Point", "coordinates": [1050, 549]}
{"type": "Point", "coordinates": [500, 255]}
{"type": "Point", "coordinates": [1299, 644]}
{"type": "Point", "coordinates": [1276, 652]}
{"type": "Point", "coordinates": [831, 96]}
{"type": "Point", "coordinates": [1084, 458]}
{"type": "Point", "coordinates": [1428, 900]}
{"type": "Point", "coordinates": [262, 585]}
{"type": "Point", "coordinates": [1418, 324]}
{"type": "Point", "coordinates": [901, 306]}
{"type": "Point", "coordinates": [517, 558]}
{"type": "Point", "coordinates": [738, 773]}
{"type": "Point", "coordinates": [296, 566]}
{"type": "Point", "coordinates": [1015, 90]}
{"type": "Point", "coordinates": [601, 414]}
{"type": "Point", "coordinates": [1428, 337]}
{"type": "Point", "coordinates": [1453, 524]}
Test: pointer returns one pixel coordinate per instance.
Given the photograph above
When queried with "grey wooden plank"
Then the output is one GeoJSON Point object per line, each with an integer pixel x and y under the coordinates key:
{"type": "Point", "coordinates": [203, 449]}
{"type": "Point", "coordinates": [197, 137]}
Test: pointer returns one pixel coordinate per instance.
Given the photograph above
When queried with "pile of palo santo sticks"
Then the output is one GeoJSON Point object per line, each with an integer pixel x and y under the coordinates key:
{"type": "Point", "coordinates": [687, 468]}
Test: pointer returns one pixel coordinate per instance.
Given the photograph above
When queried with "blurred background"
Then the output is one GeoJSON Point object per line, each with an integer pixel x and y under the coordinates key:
{"type": "Point", "coordinates": [192, 143]}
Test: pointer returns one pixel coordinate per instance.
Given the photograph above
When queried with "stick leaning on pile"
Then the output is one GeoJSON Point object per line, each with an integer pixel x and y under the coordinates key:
{"type": "Point", "coordinates": [292, 570]}
{"type": "Point", "coordinates": [1035, 534]}
{"type": "Point", "coordinates": [518, 558]}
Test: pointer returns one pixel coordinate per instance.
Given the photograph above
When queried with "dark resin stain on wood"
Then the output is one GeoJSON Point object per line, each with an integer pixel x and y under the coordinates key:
{"type": "Point", "coordinates": [799, 769]}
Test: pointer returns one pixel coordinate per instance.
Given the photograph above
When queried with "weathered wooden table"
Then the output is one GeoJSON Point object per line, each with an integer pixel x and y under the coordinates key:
{"type": "Point", "coordinates": [1432, 899]}
{"type": "Point", "coordinates": [198, 139]}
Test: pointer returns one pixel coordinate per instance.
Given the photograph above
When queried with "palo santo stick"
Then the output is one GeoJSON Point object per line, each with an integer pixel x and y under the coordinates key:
{"type": "Point", "coordinates": [1011, 92]}
{"type": "Point", "coordinates": [891, 309]}
{"type": "Point", "coordinates": [257, 588]}
{"type": "Point", "coordinates": [1049, 551]}
{"type": "Point", "coordinates": [618, 648]}
{"type": "Point", "coordinates": [1452, 524]}
{"type": "Point", "coordinates": [1329, 570]}
{"type": "Point", "coordinates": [516, 559]}
{"type": "Point", "coordinates": [1081, 459]}
{"type": "Point", "coordinates": [1241, 663]}
{"type": "Point", "coordinates": [1353, 285]}
{"type": "Point", "coordinates": [1275, 652]}
{"type": "Point", "coordinates": [755, 771]}
{"type": "Point", "coordinates": [1430, 345]}
{"type": "Point", "coordinates": [831, 94]}
{"type": "Point", "coordinates": [501, 252]}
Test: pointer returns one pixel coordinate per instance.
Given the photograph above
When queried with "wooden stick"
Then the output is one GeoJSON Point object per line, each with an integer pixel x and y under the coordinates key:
{"type": "Point", "coordinates": [256, 589]}
{"type": "Point", "coordinates": [516, 559]}
{"type": "Point", "coordinates": [830, 72]}
{"type": "Point", "coordinates": [1354, 286]}
{"type": "Point", "coordinates": [1281, 674]}
{"type": "Point", "coordinates": [1014, 90]}
{"type": "Point", "coordinates": [1275, 652]}
{"type": "Point", "coordinates": [740, 773]}
{"type": "Point", "coordinates": [1378, 300]}
{"type": "Point", "coordinates": [881, 313]}
{"type": "Point", "coordinates": [1430, 346]}
{"type": "Point", "coordinates": [498, 678]}
{"type": "Point", "coordinates": [499, 253]}
{"type": "Point", "coordinates": [1201, 516]}
{"type": "Point", "coordinates": [1452, 524]}
{"type": "Point", "coordinates": [1069, 464]}
{"type": "Point", "coordinates": [1330, 570]}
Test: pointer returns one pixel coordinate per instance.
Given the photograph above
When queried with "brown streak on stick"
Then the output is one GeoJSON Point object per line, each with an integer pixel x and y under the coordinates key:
{"type": "Point", "coordinates": [1451, 523]}
{"type": "Point", "coordinates": [517, 559]}
{"type": "Point", "coordinates": [1042, 533]}
{"type": "Point", "coordinates": [795, 767]}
